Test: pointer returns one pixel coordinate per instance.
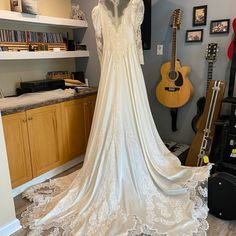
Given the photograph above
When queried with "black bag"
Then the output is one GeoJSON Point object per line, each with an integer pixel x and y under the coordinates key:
{"type": "Point", "coordinates": [222, 195]}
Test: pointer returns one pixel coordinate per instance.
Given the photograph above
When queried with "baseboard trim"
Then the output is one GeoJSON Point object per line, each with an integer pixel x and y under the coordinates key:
{"type": "Point", "coordinates": [18, 190]}
{"type": "Point", "coordinates": [10, 228]}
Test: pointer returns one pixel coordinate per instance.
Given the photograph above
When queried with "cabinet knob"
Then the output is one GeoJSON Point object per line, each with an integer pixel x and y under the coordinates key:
{"type": "Point", "coordinates": [24, 120]}
{"type": "Point", "coordinates": [30, 118]}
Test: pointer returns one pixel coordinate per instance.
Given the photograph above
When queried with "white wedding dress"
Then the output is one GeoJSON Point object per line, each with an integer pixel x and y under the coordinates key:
{"type": "Point", "coordinates": [130, 183]}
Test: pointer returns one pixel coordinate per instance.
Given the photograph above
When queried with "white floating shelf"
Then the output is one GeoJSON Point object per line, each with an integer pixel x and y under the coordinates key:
{"type": "Point", "coordinates": [42, 55]}
{"type": "Point", "coordinates": [44, 20]}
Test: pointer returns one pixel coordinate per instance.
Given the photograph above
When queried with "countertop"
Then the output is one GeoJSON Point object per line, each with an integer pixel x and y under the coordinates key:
{"type": "Point", "coordinates": [10, 105]}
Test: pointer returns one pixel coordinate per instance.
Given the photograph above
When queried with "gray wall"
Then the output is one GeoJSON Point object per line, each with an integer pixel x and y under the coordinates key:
{"type": "Point", "coordinates": [192, 54]}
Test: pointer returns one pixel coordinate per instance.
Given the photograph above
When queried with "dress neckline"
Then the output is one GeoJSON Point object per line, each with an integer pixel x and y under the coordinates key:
{"type": "Point", "coordinates": [112, 18]}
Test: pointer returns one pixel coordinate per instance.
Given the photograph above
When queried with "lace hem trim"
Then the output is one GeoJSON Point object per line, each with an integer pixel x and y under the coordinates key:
{"type": "Point", "coordinates": [43, 193]}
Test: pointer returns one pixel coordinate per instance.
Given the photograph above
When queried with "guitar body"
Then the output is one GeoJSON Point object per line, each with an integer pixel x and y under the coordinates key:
{"type": "Point", "coordinates": [174, 93]}
{"type": "Point", "coordinates": [196, 121]}
{"type": "Point", "coordinates": [200, 139]}
{"type": "Point", "coordinates": [231, 46]}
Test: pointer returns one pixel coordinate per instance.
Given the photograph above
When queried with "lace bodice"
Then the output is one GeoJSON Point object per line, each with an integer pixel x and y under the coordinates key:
{"type": "Point", "coordinates": [118, 29]}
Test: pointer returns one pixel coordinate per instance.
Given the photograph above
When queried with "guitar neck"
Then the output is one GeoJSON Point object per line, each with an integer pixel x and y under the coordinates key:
{"type": "Point", "coordinates": [209, 75]}
{"type": "Point", "coordinates": [173, 53]}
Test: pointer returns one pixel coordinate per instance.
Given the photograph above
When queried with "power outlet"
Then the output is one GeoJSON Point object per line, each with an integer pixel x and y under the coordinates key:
{"type": "Point", "coordinates": [159, 49]}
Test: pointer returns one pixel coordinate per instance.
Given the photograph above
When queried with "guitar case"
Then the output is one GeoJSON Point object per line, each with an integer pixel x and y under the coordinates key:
{"type": "Point", "coordinates": [222, 195]}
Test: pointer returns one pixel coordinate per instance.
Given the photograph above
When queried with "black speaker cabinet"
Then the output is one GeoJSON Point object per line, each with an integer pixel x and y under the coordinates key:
{"type": "Point", "coordinates": [222, 195]}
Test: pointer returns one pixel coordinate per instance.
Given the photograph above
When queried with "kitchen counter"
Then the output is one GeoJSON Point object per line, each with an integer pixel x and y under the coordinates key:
{"type": "Point", "coordinates": [10, 105]}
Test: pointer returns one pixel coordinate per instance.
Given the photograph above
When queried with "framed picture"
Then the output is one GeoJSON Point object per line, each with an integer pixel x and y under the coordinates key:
{"type": "Point", "coordinates": [199, 15]}
{"type": "Point", "coordinates": [16, 5]}
{"type": "Point", "coordinates": [220, 26]}
{"type": "Point", "coordinates": [194, 35]}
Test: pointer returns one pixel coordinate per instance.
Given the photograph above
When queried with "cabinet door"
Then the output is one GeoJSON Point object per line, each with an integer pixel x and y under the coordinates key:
{"type": "Point", "coordinates": [73, 121]}
{"type": "Point", "coordinates": [89, 106]}
{"type": "Point", "coordinates": [17, 144]}
{"type": "Point", "coordinates": [45, 136]}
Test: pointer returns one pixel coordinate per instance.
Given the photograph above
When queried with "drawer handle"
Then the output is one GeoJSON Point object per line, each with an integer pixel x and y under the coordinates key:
{"type": "Point", "coordinates": [30, 118]}
{"type": "Point", "coordinates": [24, 120]}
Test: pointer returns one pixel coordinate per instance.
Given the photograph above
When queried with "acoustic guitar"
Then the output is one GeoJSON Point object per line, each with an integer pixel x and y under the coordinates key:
{"type": "Point", "coordinates": [231, 46]}
{"type": "Point", "coordinates": [201, 145]}
{"type": "Point", "coordinates": [211, 55]}
{"type": "Point", "coordinates": [174, 90]}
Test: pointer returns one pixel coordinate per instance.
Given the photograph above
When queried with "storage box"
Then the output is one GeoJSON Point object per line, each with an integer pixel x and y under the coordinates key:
{"type": "Point", "coordinates": [178, 149]}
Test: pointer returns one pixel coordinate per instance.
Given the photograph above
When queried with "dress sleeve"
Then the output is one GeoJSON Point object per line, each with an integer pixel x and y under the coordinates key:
{"type": "Point", "coordinates": [138, 22]}
{"type": "Point", "coordinates": [98, 31]}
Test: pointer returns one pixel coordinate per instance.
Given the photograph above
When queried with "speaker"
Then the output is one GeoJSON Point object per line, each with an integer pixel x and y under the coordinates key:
{"type": "Point", "coordinates": [146, 25]}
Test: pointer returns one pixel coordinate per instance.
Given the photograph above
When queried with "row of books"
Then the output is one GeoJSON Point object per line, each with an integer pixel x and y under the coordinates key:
{"type": "Point", "coordinates": [31, 37]}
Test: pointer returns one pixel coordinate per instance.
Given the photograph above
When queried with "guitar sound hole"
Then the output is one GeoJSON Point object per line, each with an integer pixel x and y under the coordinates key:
{"type": "Point", "coordinates": [173, 75]}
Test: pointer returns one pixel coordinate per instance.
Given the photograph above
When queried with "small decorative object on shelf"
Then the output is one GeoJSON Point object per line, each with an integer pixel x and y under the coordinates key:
{"type": "Point", "coordinates": [16, 5]}
{"type": "Point", "coordinates": [29, 6]}
{"type": "Point", "coordinates": [77, 14]}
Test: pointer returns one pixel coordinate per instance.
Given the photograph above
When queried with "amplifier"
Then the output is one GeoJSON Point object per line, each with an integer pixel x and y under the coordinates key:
{"type": "Point", "coordinates": [230, 155]}
{"type": "Point", "coordinates": [40, 85]}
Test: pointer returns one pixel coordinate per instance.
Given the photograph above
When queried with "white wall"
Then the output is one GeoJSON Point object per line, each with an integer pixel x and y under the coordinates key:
{"type": "Point", "coordinates": [7, 210]}
{"type": "Point", "coordinates": [13, 72]}
{"type": "Point", "coordinates": [60, 8]}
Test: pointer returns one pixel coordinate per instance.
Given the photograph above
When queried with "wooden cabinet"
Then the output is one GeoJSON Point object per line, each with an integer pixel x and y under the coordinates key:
{"type": "Point", "coordinates": [89, 106]}
{"type": "Point", "coordinates": [45, 137]}
{"type": "Point", "coordinates": [73, 123]}
{"type": "Point", "coordinates": [77, 120]}
{"type": "Point", "coordinates": [18, 151]}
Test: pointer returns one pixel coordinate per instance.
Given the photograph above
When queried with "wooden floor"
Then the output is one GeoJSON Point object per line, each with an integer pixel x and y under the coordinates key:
{"type": "Point", "coordinates": [217, 227]}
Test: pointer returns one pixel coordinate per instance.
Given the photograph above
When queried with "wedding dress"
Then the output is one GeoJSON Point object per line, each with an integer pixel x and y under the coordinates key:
{"type": "Point", "coordinates": [130, 183]}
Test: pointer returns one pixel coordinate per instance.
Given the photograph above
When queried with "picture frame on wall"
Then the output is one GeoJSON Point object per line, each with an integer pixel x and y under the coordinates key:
{"type": "Point", "coordinates": [194, 36]}
{"type": "Point", "coordinates": [200, 15]}
{"type": "Point", "coordinates": [220, 26]}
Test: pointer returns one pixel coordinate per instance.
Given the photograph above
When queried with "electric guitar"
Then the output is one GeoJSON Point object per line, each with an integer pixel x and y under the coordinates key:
{"type": "Point", "coordinates": [232, 57]}
{"type": "Point", "coordinates": [201, 145]}
{"type": "Point", "coordinates": [211, 55]}
{"type": "Point", "coordinates": [174, 90]}
{"type": "Point", "coordinates": [231, 46]}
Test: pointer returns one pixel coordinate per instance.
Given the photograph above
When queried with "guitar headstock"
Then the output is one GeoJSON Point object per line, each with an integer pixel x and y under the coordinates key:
{"type": "Point", "coordinates": [176, 18]}
{"type": "Point", "coordinates": [211, 52]}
